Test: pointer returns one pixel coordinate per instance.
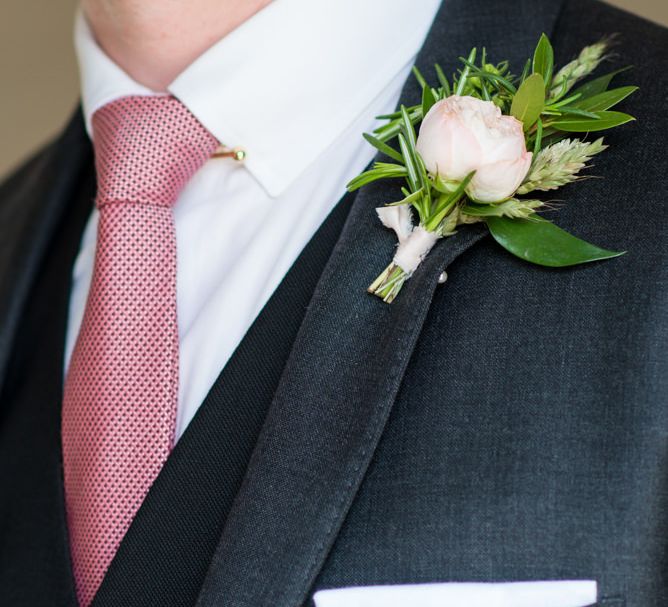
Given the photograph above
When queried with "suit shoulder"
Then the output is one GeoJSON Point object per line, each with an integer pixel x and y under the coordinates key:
{"type": "Point", "coordinates": [46, 168]}
{"type": "Point", "coordinates": [51, 157]}
{"type": "Point", "coordinates": [600, 19]}
{"type": "Point", "coordinates": [23, 175]}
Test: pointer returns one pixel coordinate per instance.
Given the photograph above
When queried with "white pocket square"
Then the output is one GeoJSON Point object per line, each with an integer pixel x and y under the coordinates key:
{"type": "Point", "coordinates": [575, 593]}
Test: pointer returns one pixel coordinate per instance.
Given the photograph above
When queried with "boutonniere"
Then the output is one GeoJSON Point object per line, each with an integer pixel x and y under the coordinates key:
{"type": "Point", "coordinates": [487, 141]}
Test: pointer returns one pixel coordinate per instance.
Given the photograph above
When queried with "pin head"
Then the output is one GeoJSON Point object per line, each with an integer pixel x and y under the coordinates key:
{"type": "Point", "coordinates": [237, 153]}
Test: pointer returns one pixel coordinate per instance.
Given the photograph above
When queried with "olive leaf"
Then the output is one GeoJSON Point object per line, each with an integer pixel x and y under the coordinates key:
{"type": "Point", "coordinates": [605, 100]}
{"type": "Point", "coordinates": [605, 120]}
{"type": "Point", "coordinates": [529, 101]}
{"type": "Point", "coordinates": [543, 59]}
{"type": "Point", "coordinates": [541, 242]}
{"type": "Point", "coordinates": [598, 85]}
{"type": "Point", "coordinates": [428, 100]}
{"type": "Point", "coordinates": [383, 147]}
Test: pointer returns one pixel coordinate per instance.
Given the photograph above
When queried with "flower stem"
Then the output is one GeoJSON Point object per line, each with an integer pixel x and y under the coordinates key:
{"type": "Point", "coordinates": [389, 283]}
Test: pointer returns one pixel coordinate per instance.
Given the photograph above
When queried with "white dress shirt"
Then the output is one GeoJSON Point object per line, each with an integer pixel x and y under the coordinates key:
{"type": "Point", "coordinates": [295, 86]}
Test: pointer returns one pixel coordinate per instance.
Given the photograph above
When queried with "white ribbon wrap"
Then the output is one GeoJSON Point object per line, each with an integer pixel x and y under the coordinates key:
{"type": "Point", "coordinates": [399, 219]}
{"type": "Point", "coordinates": [414, 249]}
{"type": "Point", "coordinates": [414, 242]}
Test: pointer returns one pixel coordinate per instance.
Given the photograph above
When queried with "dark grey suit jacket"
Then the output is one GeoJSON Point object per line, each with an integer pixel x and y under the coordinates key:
{"type": "Point", "coordinates": [511, 424]}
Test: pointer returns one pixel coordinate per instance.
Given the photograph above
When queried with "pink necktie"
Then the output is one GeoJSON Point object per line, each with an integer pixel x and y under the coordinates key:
{"type": "Point", "coordinates": [119, 405]}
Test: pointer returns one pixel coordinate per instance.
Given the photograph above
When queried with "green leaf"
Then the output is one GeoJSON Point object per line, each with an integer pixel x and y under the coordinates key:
{"type": "Point", "coordinates": [428, 100]}
{"type": "Point", "coordinates": [380, 170]}
{"type": "Point", "coordinates": [598, 85]}
{"type": "Point", "coordinates": [411, 167]}
{"type": "Point", "coordinates": [481, 210]}
{"type": "Point", "coordinates": [539, 137]}
{"type": "Point", "coordinates": [446, 202]}
{"type": "Point", "coordinates": [419, 77]}
{"type": "Point", "coordinates": [605, 120]}
{"type": "Point", "coordinates": [541, 242]}
{"type": "Point", "coordinates": [525, 71]}
{"type": "Point", "coordinates": [463, 77]}
{"type": "Point", "coordinates": [555, 105]}
{"type": "Point", "coordinates": [606, 99]}
{"type": "Point", "coordinates": [444, 187]}
{"type": "Point", "coordinates": [383, 147]}
{"type": "Point", "coordinates": [529, 100]}
{"type": "Point", "coordinates": [408, 129]}
{"type": "Point", "coordinates": [443, 80]}
{"type": "Point", "coordinates": [483, 89]}
{"type": "Point", "coordinates": [512, 208]}
{"type": "Point", "coordinates": [390, 130]}
{"type": "Point", "coordinates": [391, 116]}
{"type": "Point", "coordinates": [416, 172]}
{"type": "Point", "coordinates": [572, 111]}
{"type": "Point", "coordinates": [478, 73]}
{"type": "Point", "coordinates": [409, 199]}
{"type": "Point", "coordinates": [425, 185]}
{"type": "Point", "coordinates": [543, 59]}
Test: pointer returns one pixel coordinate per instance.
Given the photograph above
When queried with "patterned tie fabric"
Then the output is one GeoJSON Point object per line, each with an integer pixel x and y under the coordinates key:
{"type": "Point", "coordinates": [119, 404]}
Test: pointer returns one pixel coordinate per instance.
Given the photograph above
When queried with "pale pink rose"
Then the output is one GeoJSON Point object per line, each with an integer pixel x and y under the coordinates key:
{"type": "Point", "coordinates": [462, 134]}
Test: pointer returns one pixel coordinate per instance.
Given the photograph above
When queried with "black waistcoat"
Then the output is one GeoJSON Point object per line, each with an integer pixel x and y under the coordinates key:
{"type": "Point", "coordinates": [165, 554]}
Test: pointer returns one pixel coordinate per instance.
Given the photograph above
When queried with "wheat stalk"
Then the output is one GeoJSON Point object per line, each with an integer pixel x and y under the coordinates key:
{"type": "Point", "coordinates": [559, 164]}
{"type": "Point", "coordinates": [587, 61]}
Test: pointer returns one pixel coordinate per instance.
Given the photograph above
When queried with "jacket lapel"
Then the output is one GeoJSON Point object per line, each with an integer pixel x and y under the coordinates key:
{"type": "Point", "coordinates": [347, 363]}
{"type": "Point", "coordinates": [38, 196]}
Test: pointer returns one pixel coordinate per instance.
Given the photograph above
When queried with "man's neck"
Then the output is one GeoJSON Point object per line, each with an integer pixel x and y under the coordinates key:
{"type": "Point", "coordinates": [155, 40]}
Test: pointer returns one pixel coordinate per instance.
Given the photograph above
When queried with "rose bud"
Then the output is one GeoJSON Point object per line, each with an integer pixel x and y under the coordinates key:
{"type": "Point", "coordinates": [463, 134]}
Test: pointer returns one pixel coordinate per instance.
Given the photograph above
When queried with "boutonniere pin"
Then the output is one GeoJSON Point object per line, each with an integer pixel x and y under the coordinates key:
{"type": "Point", "coordinates": [487, 139]}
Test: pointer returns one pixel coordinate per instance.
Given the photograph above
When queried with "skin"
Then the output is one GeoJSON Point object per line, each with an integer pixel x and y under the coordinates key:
{"type": "Point", "coordinates": [155, 40]}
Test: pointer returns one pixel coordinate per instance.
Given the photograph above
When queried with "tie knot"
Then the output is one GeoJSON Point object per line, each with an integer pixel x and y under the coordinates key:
{"type": "Point", "coordinates": [147, 149]}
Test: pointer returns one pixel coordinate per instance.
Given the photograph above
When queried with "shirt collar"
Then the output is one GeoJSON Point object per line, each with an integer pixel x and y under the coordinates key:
{"type": "Point", "coordinates": [286, 83]}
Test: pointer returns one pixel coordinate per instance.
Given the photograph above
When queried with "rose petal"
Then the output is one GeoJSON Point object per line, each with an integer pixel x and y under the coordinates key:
{"type": "Point", "coordinates": [499, 180]}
